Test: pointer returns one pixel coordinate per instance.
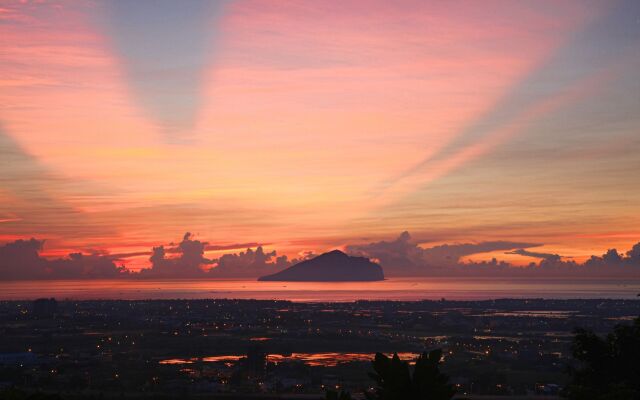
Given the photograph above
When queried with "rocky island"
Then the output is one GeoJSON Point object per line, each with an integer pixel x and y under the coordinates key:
{"type": "Point", "coordinates": [334, 266]}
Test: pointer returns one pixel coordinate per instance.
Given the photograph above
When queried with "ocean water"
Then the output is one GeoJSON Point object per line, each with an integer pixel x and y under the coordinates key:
{"type": "Point", "coordinates": [390, 289]}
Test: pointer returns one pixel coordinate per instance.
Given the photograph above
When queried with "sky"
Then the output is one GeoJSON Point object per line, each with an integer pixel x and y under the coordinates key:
{"type": "Point", "coordinates": [305, 126]}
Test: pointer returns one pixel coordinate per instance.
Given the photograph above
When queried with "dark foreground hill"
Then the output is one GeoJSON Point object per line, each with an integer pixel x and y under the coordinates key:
{"type": "Point", "coordinates": [334, 266]}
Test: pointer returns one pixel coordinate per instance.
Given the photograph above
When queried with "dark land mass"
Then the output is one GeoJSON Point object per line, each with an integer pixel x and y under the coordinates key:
{"type": "Point", "coordinates": [266, 349]}
{"type": "Point", "coordinates": [334, 266]}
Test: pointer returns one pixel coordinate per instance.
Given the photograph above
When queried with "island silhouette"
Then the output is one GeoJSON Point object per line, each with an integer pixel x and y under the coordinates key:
{"type": "Point", "coordinates": [334, 266]}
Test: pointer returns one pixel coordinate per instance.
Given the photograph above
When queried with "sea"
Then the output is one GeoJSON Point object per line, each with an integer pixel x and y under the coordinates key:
{"type": "Point", "coordinates": [400, 289]}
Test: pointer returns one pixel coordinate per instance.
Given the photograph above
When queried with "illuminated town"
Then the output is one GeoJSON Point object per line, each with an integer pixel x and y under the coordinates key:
{"type": "Point", "coordinates": [242, 347]}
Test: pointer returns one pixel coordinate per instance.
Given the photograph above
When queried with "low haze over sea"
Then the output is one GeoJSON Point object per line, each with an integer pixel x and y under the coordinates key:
{"type": "Point", "coordinates": [390, 289]}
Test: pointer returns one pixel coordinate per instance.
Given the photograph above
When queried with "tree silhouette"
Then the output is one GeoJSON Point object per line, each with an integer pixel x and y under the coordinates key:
{"type": "Point", "coordinates": [395, 381]}
{"type": "Point", "coordinates": [608, 368]}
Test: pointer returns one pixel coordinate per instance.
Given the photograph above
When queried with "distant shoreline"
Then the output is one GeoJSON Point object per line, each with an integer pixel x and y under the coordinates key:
{"type": "Point", "coordinates": [393, 289]}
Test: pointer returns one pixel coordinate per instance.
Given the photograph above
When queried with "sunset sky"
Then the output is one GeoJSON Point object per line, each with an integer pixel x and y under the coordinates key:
{"type": "Point", "coordinates": [313, 125]}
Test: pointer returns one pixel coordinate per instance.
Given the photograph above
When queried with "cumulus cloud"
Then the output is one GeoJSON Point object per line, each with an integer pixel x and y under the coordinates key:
{"type": "Point", "coordinates": [633, 255]}
{"type": "Point", "coordinates": [192, 263]}
{"type": "Point", "coordinates": [402, 256]}
{"type": "Point", "coordinates": [450, 254]}
{"type": "Point", "coordinates": [188, 264]}
{"type": "Point", "coordinates": [249, 264]}
{"type": "Point", "coordinates": [397, 255]}
{"type": "Point", "coordinates": [21, 260]}
{"type": "Point", "coordinates": [82, 266]}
